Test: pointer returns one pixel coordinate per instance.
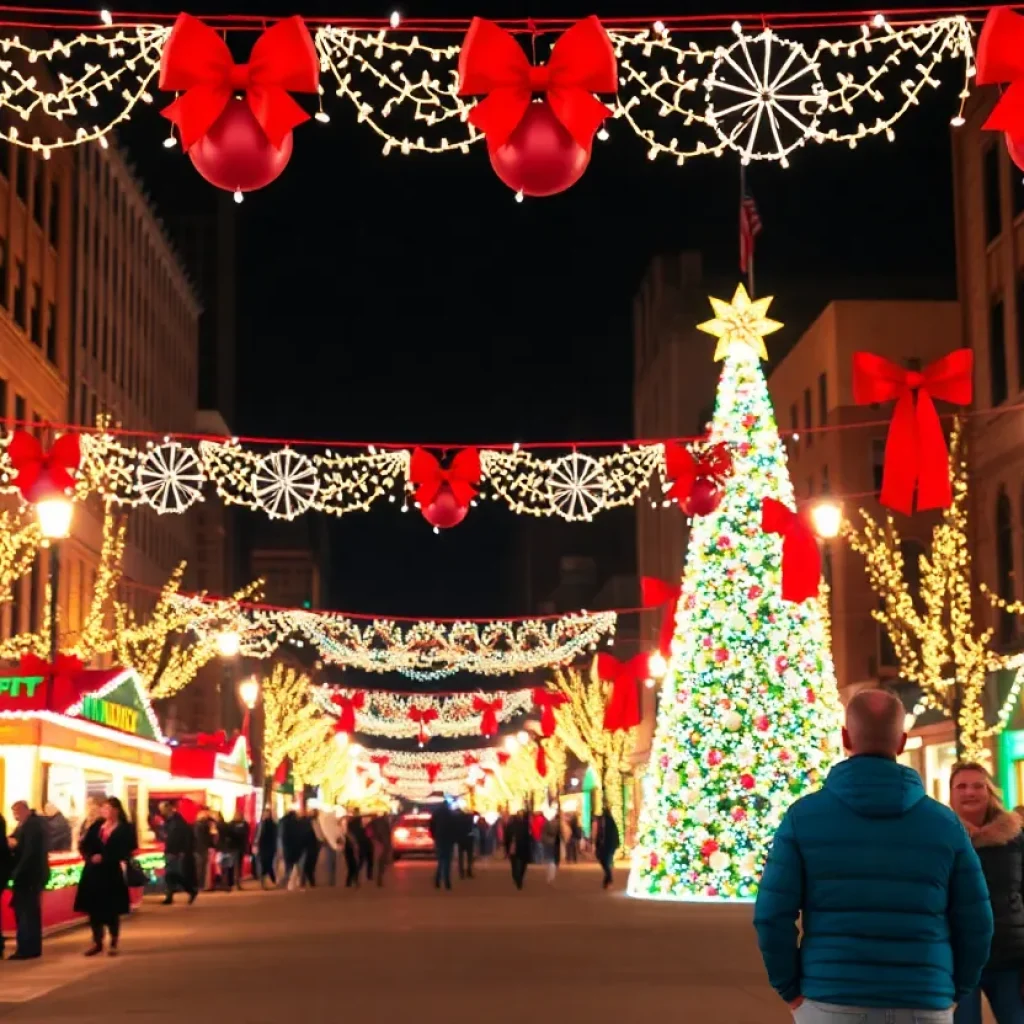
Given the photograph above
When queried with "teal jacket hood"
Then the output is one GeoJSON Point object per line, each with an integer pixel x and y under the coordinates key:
{"type": "Point", "coordinates": [875, 787]}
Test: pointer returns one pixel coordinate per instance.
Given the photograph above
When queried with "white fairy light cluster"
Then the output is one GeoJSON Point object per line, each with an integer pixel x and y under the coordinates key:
{"type": "Point", "coordinates": [502, 647]}
{"type": "Point", "coordinates": [171, 475]}
{"type": "Point", "coordinates": [413, 763]}
{"type": "Point", "coordinates": [762, 95]}
{"type": "Point", "coordinates": [387, 714]}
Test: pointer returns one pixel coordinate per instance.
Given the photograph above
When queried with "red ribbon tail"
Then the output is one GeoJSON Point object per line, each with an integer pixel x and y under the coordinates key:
{"type": "Point", "coordinates": [195, 111]}
{"type": "Point", "coordinates": [579, 112]}
{"type": "Point", "coordinates": [902, 458]}
{"type": "Point", "coordinates": [934, 488]}
{"type": "Point", "coordinates": [498, 115]}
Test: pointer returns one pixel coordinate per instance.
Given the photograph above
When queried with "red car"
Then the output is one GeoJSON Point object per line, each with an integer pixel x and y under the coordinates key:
{"type": "Point", "coordinates": [411, 834]}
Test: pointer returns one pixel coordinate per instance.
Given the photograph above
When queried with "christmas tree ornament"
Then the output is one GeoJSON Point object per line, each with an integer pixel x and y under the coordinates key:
{"type": "Point", "coordinates": [698, 474]}
{"type": "Point", "coordinates": [733, 629]}
{"type": "Point", "coordinates": [538, 147]}
{"type": "Point", "coordinates": [623, 708]}
{"type": "Point", "coordinates": [444, 495]}
{"type": "Point", "coordinates": [1000, 59]}
{"type": "Point", "coordinates": [238, 144]}
{"type": "Point", "coordinates": [915, 447]}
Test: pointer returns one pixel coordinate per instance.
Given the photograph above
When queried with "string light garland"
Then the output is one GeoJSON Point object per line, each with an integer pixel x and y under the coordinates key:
{"type": "Point", "coordinates": [385, 713]}
{"type": "Point", "coordinates": [500, 647]}
{"type": "Point", "coordinates": [762, 95]}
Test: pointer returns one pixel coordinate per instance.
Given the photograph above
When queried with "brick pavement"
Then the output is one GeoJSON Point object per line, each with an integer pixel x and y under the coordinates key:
{"type": "Point", "coordinates": [483, 952]}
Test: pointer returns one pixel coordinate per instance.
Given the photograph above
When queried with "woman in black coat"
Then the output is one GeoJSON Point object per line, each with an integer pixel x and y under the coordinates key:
{"type": "Point", "coordinates": [103, 892]}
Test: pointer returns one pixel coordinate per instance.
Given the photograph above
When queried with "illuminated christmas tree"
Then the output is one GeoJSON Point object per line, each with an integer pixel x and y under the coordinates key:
{"type": "Point", "coordinates": [749, 714]}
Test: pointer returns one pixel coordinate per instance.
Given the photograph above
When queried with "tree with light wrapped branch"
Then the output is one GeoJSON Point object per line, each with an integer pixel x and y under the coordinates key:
{"type": "Point", "coordinates": [937, 643]}
{"type": "Point", "coordinates": [20, 538]}
{"type": "Point", "coordinates": [579, 722]}
{"type": "Point", "coordinates": [519, 777]}
{"type": "Point", "coordinates": [293, 725]}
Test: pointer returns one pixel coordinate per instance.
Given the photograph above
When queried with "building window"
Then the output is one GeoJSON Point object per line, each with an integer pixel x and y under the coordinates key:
{"type": "Point", "coordinates": [19, 293]}
{"type": "Point", "coordinates": [993, 199]}
{"type": "Point", "coordinates": [21, 185]}
{"type": "Point", "coordinates": [3, 401]}
{"type": "Point", "coordinates": [54, 224]}
{"type": "Point", "coordinates": [83, 400]}
{"type": "Point", "coordinates": [1004, 565]}
{"type": "Point", "coordinates": [3, 273]}
{"type": "Point", "coordinates": [105, 348]}
{"type": "Point", "coordinates": [826, 486]}
{"type": "Point", "coordinates": [877, 463]}
{"type": "Point", "coordinates": [35, 316]}
{"type": "Point", "coordinates": [822, 399]}
{"type": "Point", "coordinates": [808, 420]}
{"type": "Point", "coordinates": [20, 411]}
{"type": "Point", "coordinates": [997, 352]}
{"type": "Point", "coordinates": [38, 194]}
{"type": "Point", "coordinates": [51, 333]}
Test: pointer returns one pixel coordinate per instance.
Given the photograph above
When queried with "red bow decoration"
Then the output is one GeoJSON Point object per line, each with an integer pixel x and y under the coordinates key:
{"type": "Point", "coordinates": [469, 760]}
{"type": "Point", "coordinates": [915, 449]}
{"type": "Point", "coordinates": [801, 558]}
{"type": "Point", "coordinates": [488, 714]}
{"type": "Point", "coordinates": [1000, 58]}
{"type": "Point", "coordinates": [623, 708]}
{"type": "Point", "coordinates": [38, 470]}
{"type": "Point", "coordinates": [347, 707]}
{"type": "Point", "coordinates": [547, 701]}
{"type": "Point", "coordinates": [423, 717]}
{"type": "Point", "coordinates": [503, 756]}
{"type": "Point", "coordinates": [62, 693]}
{"type": "Point", "coordinates": [212, 740]}
{"type": "Point", "coordinates": [381, 760]}
{"type": "Point", "coordinates": [542, 761]}
{"type": "Point", "coordinates": [369, 783]}
{"type": "Point", "coordinates": [683, 467]}
{"type": "Point", "coordinates": [391, 780]}
{"type": "Point", "coordinates": [198, 63]}
{"type": "Point", "coordinates": [462, 476]}
{"type": "Point", "coordinates": [582, 62]}
{"type": "Point", "coordinates": [653, 594]}
{"type": "Point", "coordinates": [433, 769]}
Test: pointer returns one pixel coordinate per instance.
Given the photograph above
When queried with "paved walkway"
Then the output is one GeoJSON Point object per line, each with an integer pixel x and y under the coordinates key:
{"type": "Point", "coordinates": [408, 954]}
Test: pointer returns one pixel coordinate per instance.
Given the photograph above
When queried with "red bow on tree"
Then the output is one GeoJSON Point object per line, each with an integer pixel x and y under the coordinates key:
{"type": "Point", "coordinates": [381, 760]}
{"type": "Point", "coordinates": [61, 693]}
{"type": "Point", "coordinates": [198, 63]}
{"type": "Point", "coordinates": [623, 708]}
{"type": "Point", "coordinates": [347, 706]}
{"type": "Point", "coordinates": [683, 467]}
{"type": "Point", "coordinates": [653, 594]}
{"type": "Point", "coordinates": [433, 769]}
{"type": "Point", "coordinates": [429, 476]}
{"type": "Point", "coordinates": [582, 62]}
{"type": "Point", "coordinates": [488, 710]}
{"type": "Point", "coordinates": [542, 761]}
{"type": "Point", "coordinates": [423, 717]}
{"type": "Point", "coordinates": [391, 780]}
{"type": "Point", "coordinates": [503, 756]}
{"type": "Point", "coordinates": [39, 471]}
{"type": "Point", "coordinates": [1000, 58]}
{"type": "Point", "coordinates": [801, 558]}
{"type": "Point", "coordinates": [547, 701]}
{"type": "Point", "coordinates": [469, 760]}
{"type": "Point", "coordinates": [915, 450]}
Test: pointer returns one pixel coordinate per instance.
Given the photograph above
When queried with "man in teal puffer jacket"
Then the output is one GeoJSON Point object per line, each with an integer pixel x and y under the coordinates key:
{"type": "Point", "coordinates": [895, 911]}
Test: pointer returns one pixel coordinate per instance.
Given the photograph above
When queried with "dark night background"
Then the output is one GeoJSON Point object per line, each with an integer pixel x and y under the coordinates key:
{"type": "Point", "coordinates": [411, 299]}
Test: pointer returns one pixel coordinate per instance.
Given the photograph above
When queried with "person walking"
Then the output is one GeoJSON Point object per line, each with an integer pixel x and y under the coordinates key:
{"type": "Point", "coordinates": [551, 839]}
{"type": "Point", "coordinates": [572, 842]}
{"type": "Point", "coordinates": [606, 845]}
{"type": "Point", "coordinates": [896, 919]}
{"type": "Point", "coordinates": [380, 836]}
{"type": "Point", "coordinates": [179, 854]}
{"type": "Point", "coordinates": [313, 845]}
{"type": "Point", "coordinates": [443, 830]}
{"type": "Point", "coordinates": [292, 848]}
{"type": "Point", "coordinates": [465, 833]}
{"type": "Point", "coordinates": [102, 891]}
{"type": "Point", "coordinates": [266, 847]}
{"type": "Point", "coordinates": [353, 846]}
{"type": "Point", "coordinates": [204, 843]}
{"type": "Point", "coordinates": [29, 875]}
{"type": "Point", "coordinates": [365, 849]}
{"type": "Point", "coordinates": [996, 835]}
{"type": "Point", "coordinates": [325, 825]}
{"type": "Point", "coordinates": [5, 875]}
{"type": "Point", "coordinates": [519, 840]}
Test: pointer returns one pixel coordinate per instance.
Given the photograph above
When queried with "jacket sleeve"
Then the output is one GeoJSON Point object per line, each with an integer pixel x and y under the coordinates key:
{"type": "Point", "coordinates": [779, 899]}
{"type": "Point", "coordinates": [970, 918]}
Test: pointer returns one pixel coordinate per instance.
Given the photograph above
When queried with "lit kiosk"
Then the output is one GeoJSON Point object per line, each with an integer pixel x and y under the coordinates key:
{"type": "Point", "coordinates": [64, 738]}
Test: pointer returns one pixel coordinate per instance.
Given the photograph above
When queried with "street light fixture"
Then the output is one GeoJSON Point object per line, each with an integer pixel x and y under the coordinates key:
{"type": "Point", "coordinates": [827, 519]}
{"type": "Point", "coordinates": [249, 692]}
{"type": "Point", "coordinates": [229, 643]}
{"type": "Point", "coordinates": [657, 666]}
{"type": "Point", "coordinates": [54, 510]}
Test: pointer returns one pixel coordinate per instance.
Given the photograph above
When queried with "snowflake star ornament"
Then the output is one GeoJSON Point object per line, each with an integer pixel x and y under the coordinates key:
{"type": "Point", "coordinates": [740, 323]}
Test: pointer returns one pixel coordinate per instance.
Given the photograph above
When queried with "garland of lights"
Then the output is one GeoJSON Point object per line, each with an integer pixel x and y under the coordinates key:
{"type": "Point", "coordinates": [387, 714]}
{"type": "Point", "coordinates": [454, 764]}
{"type": "Point", "coordinates": [501, 647]}
{"type": "Point", "coordinates": [763, 95]}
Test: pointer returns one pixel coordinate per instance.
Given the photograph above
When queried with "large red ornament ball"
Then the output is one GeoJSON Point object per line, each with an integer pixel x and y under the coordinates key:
{"type": "Point", "coordinates": [444, 511]}
{"type": "Point", "coordinates": [540, 157]}
{"type": "Point", "coordinates": [704, 497]}
{"type": "Point", "coordinates": [236, 155]}
{"type": "Point", "coordinates": [1015, 147]}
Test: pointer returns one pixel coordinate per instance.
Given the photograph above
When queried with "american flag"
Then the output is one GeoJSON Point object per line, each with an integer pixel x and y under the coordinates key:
{"type": "Point", "coordinates": [750, 228]}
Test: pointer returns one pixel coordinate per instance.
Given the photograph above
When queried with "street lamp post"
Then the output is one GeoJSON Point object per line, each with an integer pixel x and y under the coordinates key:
{"type": "Point", "coordinates": [229, 643]}
{"type": "Point", "coordinates": [249, 692]}
{"type": "Point", "coordinates": [54, 510]}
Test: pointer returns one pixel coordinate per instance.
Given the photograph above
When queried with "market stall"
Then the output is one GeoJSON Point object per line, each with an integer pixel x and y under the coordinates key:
{"type": "Point", "coordinates": [66, 738]}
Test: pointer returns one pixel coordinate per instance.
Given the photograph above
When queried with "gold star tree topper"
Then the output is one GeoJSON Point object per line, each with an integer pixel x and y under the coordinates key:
{"type": "Point", "coordinates": [740, 323]}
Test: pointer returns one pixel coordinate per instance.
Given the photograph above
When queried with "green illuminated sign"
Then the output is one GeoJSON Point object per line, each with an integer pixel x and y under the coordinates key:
{"type": "Point", "coordinates": [121, 709]}
{"type": "Point", "coordinates": [20, 687]}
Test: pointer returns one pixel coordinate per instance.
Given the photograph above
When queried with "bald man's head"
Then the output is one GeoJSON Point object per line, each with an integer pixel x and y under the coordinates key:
{"type": "Point", "coordinates": [874, 724]}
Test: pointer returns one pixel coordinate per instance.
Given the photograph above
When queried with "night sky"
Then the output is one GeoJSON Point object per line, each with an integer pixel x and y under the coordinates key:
{"type": "Point", "coordinates": [411, 299]}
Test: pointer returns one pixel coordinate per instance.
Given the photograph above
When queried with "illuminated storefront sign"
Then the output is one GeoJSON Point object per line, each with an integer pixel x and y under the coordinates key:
{"type": "Point", "coordinates": [114, 716]}
{"type": "Point", "coordinates": [18, 692]}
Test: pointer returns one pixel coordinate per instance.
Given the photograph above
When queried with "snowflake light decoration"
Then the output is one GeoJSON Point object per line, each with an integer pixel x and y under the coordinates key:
{"type": "Point", "coordinates": [285, 483]}
{"type": "Point", "coordinates": [170, 477]}
{"type": "Point", "coordinates": [577, 485]}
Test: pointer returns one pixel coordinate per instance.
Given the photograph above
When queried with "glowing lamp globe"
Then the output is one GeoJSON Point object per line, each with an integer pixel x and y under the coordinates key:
{"type": "Point", "coordinates": [704, 497]}
{"type": "Point", "coordinates": [249, 691]}
{"type": "Point", "coordinates": [444, 511]}
{"type": "Point", "coordinates": [236, 155]}
{"type": "Point", "coordinates": [827, 519]}
{"type": "Point", "coordinates": [540, 157]}
{"type": "Point", "coordinates": [54, 511]}
{"type": "Point", "coordinates": [229, 643]}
